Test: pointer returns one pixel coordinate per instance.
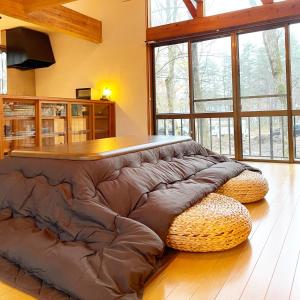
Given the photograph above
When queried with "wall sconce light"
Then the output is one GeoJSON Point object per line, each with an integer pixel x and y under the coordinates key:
{"type": "Point", "coordinates": [106, 94]}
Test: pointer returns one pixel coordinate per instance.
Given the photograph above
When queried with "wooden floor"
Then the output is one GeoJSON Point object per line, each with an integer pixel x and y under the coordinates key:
{"type": "Point", "coordinates": [265, 267]}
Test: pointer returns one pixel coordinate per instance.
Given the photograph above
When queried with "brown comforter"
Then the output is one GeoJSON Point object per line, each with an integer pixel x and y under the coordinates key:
{"type": "Point", "coordinates": [95, 230]}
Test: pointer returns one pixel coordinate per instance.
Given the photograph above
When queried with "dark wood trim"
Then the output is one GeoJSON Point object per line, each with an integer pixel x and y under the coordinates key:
{"type": "Point", "coordinates": [291, 141]}
{"type": "Point", "coordinates": [236, 96]}
{"type": "Point", "coordinates": [284, 11]}
{"type": "Point", "coordinates": [296, 112]}
{"type": "Point", "coordinates": [69, 123]}
{"type": "Point", "coordinates": [267, 113]}
{"type": "Point", "coordinates": [200, 8]}
{"type": "Point", "coordinates": [191, 8]}
{"type": "Point", "coordinates": [266, 160]}
{"type": "Point", "coordinates": [38, 124]}
{"type": "Point", "coordinates": [194, 115]}
{"type": "Point", "coordinates": [191, 89]}
{"type": "Point", "coordinates": [150, 79]}
{"type": "Point", "coordinates": [266, 2]}
{"type": "Point", "coordinates": [153, 91]}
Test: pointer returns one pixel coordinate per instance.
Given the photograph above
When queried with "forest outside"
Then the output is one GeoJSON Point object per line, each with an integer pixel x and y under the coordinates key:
{"type": "Point", "coordinates": [262, 81]}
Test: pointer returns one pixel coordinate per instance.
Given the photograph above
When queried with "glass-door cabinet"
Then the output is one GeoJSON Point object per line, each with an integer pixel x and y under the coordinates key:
{"type": "Point", "coordinates": [101, 117]}
{"type": "Point", "coordinates": [19, 124]}
{"type": "Point", "coordinates": [29, 122]}
{"type": "Point", "coordinates": [53, 124]}
{"type": "Point", "coordinates": [81, 124]}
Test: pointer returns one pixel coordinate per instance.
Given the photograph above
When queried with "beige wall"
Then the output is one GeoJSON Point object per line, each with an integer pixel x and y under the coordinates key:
{"type": "Point", "coordinates": [119, 62]}
{"type": "Point", "coordinates": [21, 83]}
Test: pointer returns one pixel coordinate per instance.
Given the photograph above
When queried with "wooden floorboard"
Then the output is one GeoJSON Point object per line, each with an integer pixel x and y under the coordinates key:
{"type": "Point", "coordinates": [267, 266]}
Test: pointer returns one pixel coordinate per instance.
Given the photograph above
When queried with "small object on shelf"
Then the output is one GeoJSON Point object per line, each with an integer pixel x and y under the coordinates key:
{"type": "Point", "coordinates": [7, 130]}
{"type": "Point", "coordinates": [106, 94]}
{"type": "Point", "coordinates": [84, 93]}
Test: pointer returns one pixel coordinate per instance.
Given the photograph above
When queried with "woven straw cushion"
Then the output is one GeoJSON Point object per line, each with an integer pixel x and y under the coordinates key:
{"type": "Point", "coordinates": [247, 187]}
{"type": "Point", "coordinates": [214, 224]}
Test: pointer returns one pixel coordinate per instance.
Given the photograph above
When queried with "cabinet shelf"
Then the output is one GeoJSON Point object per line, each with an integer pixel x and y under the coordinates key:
{"type": "Point", "coordinates": [53, 117]}
{"type": "Point", "coordinates": [101, 131]}
{"type": "Point", "coordinates": [18, 137]}
{"type": "Point", "coordinates": [53, 134]}
{"type": "Point", "coordinates": [81, 132]}
{"type": "Point", "coordinates": [101, 117]}
{"type": "Point", "coordinates": [18, 118]}
{"type": "Point", "coordinates": [41, 121]}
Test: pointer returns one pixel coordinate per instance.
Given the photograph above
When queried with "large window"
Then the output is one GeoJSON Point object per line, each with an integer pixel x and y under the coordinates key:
{"type": "Point", "coordinates": [238, 95]}
{"type": "Point", "coordinates": [212, 75]}
{"type": "Point", "coordinates": [162, 12]}
{"type": "Point", "coordinates": [262, 70]}
{"type": "Point", "coordinates": [172, 79]}
{"type": "Point", "coordinates": [167, 11]}
{"type": "Point", "coordinates": [3, 73]}
{"type": "Point", "coordinates": [214, 7]}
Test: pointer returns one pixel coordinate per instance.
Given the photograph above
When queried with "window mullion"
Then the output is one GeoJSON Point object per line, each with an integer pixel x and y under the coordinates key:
{"type": "Point", "coordinates": [191, 89]}
{"type": "Point", "coordinates": [289, 95]}
{"type": "Point", "coordinates": [236, 96]}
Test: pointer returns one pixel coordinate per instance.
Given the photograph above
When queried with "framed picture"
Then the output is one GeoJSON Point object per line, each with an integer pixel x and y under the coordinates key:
{"type": "Point", "coordinates": [85, 93]}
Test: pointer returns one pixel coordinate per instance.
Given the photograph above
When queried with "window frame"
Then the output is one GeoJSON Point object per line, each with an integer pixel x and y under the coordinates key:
{"type": "Point", "coordinates": [237, 113]}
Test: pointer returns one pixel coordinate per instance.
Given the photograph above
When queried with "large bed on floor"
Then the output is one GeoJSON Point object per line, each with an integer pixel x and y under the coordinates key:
{"type": "Point", "coordinates": [93, 226]}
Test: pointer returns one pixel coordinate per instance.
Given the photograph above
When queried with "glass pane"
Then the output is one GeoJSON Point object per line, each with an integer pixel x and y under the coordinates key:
{"type": "Point", "coordinates": [167, 11]}
{"type": "Point", "coordinates": [172, 79]}
{"type": "Point", "coordinates": [101, 121]}
{"type": "Point", "coordinates": [263, 70]}
{"type": "Point", "coordinates": [54, 124]}
{"type": "Point", "coordinates": [81, 123]}
{"type": "Point", "coordinates": [212, 75]}
{"type": "Point", "coordinates": [297, 136]}
{"type": "Point", "coordinates": [295, 64]}
{"type": "Point", "coordinates": [19, 125]}
{"type": "Point", "coordinates": [173, 127]}
{"type": "Point", "coordinates": [214, 7]}
{"type": "Point", "coordinates": [265, 137]}
{"type": "Point", "coordinates": [216, 134]}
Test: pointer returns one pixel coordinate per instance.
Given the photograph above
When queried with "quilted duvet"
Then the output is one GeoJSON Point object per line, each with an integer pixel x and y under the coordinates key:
{"type": "Point", "coordinates": [95, 230]}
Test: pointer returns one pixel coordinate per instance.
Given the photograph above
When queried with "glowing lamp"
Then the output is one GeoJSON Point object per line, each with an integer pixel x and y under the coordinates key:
{"type": "Point", "coordinates": [106, 94]}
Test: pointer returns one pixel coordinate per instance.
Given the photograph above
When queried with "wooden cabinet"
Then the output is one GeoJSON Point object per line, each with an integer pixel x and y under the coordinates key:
{"type": "Point", "coordinates": [28, 122]}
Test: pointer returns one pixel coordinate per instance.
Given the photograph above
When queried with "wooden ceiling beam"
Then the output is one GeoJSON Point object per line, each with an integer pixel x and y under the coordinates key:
{"type": "Point", "coordinates": [265, 14]}
{"type": "Point", "coordinates": [32, 5]}
{"type": "Point", "coordinates": [267, 1]}
{"type": "Point", "coordinates": [191, 8]}
{"type": "Point", "coordinates": [57, 18]}
{"type": "Point", "coordinates": [200, 9]}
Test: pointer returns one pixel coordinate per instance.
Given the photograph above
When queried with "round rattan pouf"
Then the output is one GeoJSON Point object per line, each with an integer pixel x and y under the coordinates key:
{"type": "Point", "coordinates": [214, 224]}
{"type": "Point", "coordinates": [247, 187]}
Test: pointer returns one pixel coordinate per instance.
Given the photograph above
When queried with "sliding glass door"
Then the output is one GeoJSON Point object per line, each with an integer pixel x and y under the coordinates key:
{"type": "Point", "coordinates": [238, 95]}
{"type": "Point", "coordinates": [212, 94]}
{"type": "Point", "coordinates": [263, 94]}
